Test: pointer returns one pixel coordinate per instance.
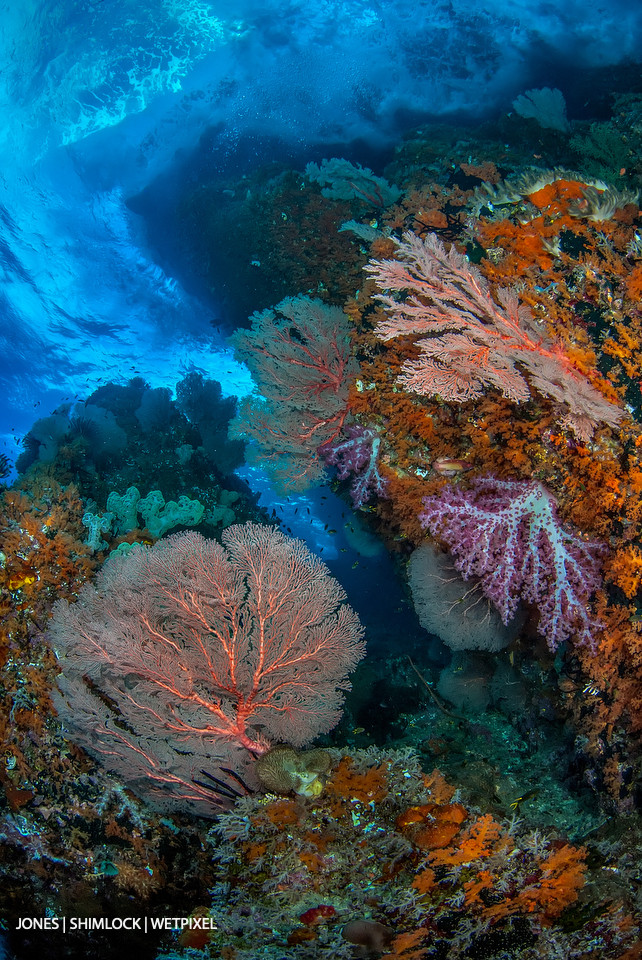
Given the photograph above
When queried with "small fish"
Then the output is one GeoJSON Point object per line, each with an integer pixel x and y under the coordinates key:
{"type": "Point", "coordinates": [515, 805]}
{"type": "Point", "coordinates": [450, 468]}
{"type": "Point", "coordinates": [316, 915]}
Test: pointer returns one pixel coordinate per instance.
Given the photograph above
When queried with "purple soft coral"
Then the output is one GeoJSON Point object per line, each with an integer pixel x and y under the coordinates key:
{"type": "Point", "coordinates": [509, 535]}
{"type": "Point", "coordinates": [357, 456]}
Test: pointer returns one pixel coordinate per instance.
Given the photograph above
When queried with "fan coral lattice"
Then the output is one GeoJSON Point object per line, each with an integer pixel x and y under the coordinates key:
{"type": "Point", "coordinates": [299, 356]}
{"type": "Point", "coordinates": [469, 341]}
{"type": "Point", "coordinates": [187, 655]}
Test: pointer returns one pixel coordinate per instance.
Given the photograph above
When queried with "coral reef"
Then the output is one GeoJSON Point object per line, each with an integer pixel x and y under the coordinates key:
{"type": "Point", "coordinates": [482, 341]}
{"type": "Point", "coordinates": [509, 536]}
{"type": "Point", "coordinates": [477, 385]}
{"type": "Point", "coordinates": [393, 858]}
{"type": "Point", "coordinates": [300, 359]}
{"type": "Point", "coordinates": [569, 244]}
{"type": "Point", "coordinates": [355, 454]}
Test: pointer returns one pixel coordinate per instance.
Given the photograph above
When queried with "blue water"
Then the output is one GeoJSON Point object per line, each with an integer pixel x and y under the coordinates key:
{"type": "Point", "coordinates": [101, 99]}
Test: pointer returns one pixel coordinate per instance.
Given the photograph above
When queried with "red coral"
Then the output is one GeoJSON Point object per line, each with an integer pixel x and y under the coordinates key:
{"type": "Point", "coordinates": [299, 356]}
{"type": "Point", "coordinates": [316, 915]}
{"type": "Point", "coordinates": [469, 341]}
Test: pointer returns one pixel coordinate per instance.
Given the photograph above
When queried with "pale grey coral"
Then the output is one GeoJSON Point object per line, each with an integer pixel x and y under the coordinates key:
{"type": "Point", "coordinates": [545, 105]}
{"type": "Point", "coordinates": [454, 609]}
{"type": "Point", "coordinates": [601, 203]}
{"type": "Point", "coordinates": [342, 180]}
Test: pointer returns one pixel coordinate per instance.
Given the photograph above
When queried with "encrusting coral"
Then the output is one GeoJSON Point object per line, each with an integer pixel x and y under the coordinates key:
{"type": "Point", "coordinates": [391, 858]}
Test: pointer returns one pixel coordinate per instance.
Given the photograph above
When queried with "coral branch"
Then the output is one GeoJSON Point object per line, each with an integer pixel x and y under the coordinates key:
{"type": "Point", "coordinates": [299, 356]}
{"type": "Point", "coordinates": [442, 293]}
{"type": "Point", "coordinates": [356, 455]}
{"type": "Point", "coordinates": [509, 535]}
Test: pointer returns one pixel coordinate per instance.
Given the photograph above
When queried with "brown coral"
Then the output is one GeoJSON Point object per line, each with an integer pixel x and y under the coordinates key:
{"type": "Point", "coordinates": [282, 769]}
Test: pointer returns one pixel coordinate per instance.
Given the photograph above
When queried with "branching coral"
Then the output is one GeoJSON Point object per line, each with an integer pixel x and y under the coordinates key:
{"type": "Point", "coordinates": [509, 535]}
{"type": "Point", "coordinates": [469, 341]}
{"type": "Point", "coordinates": [300, 358]}
{"type": "Point", "coordinates": [202, 651]}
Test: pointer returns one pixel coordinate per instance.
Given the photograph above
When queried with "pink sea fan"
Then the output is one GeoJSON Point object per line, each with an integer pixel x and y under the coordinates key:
{"type": "Point", "coordinates": [193, 655]}
{"type": "Point", "coordinates": [300, 358]}
{"type": "Point", "coordinates": [470, 341]}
